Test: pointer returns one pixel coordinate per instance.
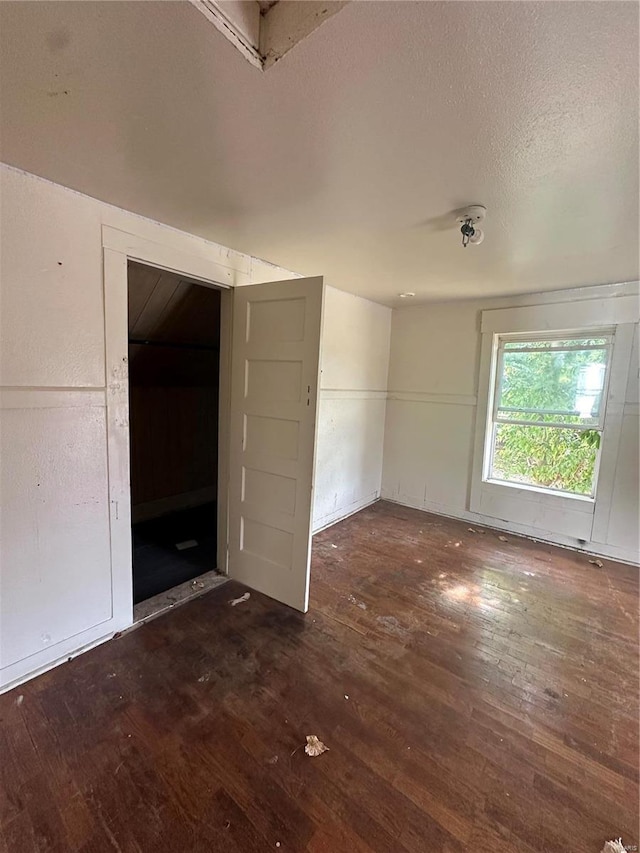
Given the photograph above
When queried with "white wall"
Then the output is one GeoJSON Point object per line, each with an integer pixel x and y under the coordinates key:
{"type": "Point", "coordinates": [355, 362]}
{"type": "Point", "coordinates": [431, 417]}
{"type": "Point", "coordinates": [55, 562]}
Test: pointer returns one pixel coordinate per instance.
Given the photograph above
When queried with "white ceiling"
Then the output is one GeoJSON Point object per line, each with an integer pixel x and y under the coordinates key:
{"type": "Point", "coordinates": [334, 160]}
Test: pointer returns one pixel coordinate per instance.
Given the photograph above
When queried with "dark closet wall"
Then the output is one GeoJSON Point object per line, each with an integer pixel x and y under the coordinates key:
{"type": "Point", "coordinates": [174, 333]}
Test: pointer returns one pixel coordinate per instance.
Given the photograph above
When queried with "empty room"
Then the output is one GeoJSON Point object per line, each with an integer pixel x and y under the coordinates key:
{"type": "Point", "coordinates": [319, 426]}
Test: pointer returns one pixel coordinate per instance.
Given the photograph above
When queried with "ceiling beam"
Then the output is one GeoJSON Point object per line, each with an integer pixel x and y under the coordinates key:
{"type": "Point", "coordinates": [262, 31]}
{"type": "Point", "coordinates": [239, 23]}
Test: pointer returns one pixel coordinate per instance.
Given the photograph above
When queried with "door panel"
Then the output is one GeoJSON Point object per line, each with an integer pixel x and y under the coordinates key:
{"type": "Point", "coordinates": [274, 391]}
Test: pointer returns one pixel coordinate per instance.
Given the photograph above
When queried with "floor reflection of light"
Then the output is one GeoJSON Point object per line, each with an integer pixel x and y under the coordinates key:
{"type": "Point", "coordinates": [472, 594]}
{"type": "Point", "coordinates": [458, 592]}
{"type": "Point", "coordinates": [480, 593]}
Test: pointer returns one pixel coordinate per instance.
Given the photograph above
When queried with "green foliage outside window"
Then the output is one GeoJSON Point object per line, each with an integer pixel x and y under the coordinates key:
{"type": "Point", "coordinates": [552, 457]}
{"type": "Point", "coordinates": [545, 456]}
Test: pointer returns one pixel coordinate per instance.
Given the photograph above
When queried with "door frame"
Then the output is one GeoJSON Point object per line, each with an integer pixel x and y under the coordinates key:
{"type": "Point", "coordinates": [119, 247]}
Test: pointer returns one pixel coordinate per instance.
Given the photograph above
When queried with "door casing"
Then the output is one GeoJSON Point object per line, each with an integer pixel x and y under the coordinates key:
{"type": "Point", "coordinates": [118, 248]}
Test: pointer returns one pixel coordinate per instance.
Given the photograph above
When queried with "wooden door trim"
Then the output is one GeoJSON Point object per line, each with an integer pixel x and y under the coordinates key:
{"type": "Point", "coordinates": [118, 248]}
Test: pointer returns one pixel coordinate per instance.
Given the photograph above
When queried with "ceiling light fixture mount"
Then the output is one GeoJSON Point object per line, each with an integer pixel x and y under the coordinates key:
{"type": "Point", "coordinates": [469, 217]}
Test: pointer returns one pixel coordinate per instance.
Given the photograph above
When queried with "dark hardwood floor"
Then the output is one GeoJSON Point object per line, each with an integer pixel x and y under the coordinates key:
{"type": "Point", "coordinates": [492, 706]}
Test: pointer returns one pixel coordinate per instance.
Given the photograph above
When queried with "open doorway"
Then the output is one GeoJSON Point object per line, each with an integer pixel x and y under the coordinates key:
{"type": "Point", "coordinates": [174, 370]}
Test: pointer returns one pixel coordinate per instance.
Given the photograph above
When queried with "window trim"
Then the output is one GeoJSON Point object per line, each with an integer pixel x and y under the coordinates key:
{"type": "Point", "coordinates": [496, 380]}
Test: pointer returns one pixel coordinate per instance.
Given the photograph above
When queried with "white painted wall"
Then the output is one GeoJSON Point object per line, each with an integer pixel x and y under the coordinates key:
{"type": "Point", "coordinates": [56, 574]}
{"type": "Point", "coordinates": [351, 416]}
{"type": "Point", "coordinates": [431, 415]}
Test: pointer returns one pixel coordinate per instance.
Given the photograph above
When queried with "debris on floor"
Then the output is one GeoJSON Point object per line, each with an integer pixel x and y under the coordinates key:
{"type": "Point", "coordinates": [20, 700]}
{"type": "Point", "coordinates": [333, 546]}
{"type": "Point", "coordinates": [242, 598]}
{"type": "Point", "coordinates": [197, 585]}
{"type": "Point", "coordinates": [615, 846]}
{"type": "Point", "coordinates": [503, 538]}
{"type": "Point", "coordinates": [600, 565]}
{"type": "Point", "coordinates": [188, 543]}
{"type": "Point", "coordinates": [314, 746]}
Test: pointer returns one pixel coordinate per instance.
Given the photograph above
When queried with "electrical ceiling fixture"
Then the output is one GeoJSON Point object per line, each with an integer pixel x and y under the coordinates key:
{"type": "Point", "coordinates": [469, 217]}
{"type": "Point", "coordinates": [404, 295]}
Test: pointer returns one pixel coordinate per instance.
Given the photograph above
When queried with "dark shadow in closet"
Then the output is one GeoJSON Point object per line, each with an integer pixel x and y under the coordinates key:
{"type": "Point", "coordinates": [174, 344]}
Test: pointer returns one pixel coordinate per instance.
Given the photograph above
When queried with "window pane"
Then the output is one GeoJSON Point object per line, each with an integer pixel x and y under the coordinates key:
{"type": "Point", "coordinates": [549, 457]}
{"type": "Point", "coordinates": [552, 385]}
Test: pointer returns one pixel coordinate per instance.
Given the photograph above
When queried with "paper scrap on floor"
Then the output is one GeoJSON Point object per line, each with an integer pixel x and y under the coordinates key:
{"type": "Point", "coordinates": [615, 846]}
{"type": "Point", "coordinates": [314, 746]}
{"type": "Point", "coordinates": [188, 543]}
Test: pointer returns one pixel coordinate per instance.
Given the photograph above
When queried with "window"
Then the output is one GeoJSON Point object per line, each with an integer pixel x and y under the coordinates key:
{"type": "Point", "coordinates": [549, 397]}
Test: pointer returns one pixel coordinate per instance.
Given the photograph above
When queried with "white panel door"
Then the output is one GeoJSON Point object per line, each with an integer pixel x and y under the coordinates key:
{"type": "Point", "coordinates": [274, 390]}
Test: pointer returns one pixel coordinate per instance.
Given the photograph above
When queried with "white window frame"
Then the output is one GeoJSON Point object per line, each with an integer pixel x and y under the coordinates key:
{"type": "Point", "coordinates": [533, 510]}
{"type": "Point", "coordinates": [494, 394]}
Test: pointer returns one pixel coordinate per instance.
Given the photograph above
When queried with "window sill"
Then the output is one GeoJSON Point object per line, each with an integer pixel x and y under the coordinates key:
{"type": "Point", "coordinates": [554, 493]}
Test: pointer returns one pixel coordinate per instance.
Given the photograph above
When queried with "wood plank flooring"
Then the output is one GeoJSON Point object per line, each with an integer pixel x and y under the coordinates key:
{"type": "Point", "coordinates": [475, 695]}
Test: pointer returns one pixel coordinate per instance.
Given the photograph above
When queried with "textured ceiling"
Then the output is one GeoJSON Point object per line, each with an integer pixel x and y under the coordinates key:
{"type": "Point", "coordinates": [342, 158]}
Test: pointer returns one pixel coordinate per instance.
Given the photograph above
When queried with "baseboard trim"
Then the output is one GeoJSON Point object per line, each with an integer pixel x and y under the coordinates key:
{"type": "Point", "coordinates": [345, 512]}
{"type": "Point", "coordinates": [594, 549]}
{"type": "Point", "coordinates": [71, 651]}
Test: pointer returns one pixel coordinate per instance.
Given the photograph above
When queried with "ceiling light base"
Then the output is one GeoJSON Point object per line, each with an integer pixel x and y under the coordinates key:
{"type": "Point", "coordinates": [474, 212]}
